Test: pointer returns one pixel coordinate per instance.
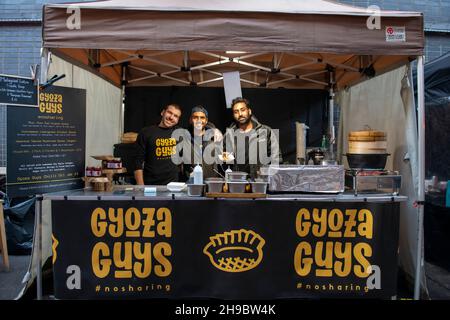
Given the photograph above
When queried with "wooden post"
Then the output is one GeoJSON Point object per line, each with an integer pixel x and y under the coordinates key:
{"type": "Point", "coordinates": [3, 245]}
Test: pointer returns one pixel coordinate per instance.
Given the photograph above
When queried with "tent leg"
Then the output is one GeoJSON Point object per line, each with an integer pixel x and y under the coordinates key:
{"type": "Point", "coordinates": [421, 173]}
{"type": "Point", "coordinates": [45, 54]}
{"type": "Point", "coordinates": [331, 116]}
{"type": "Point", "coordinates": [39, 241]}
{"type": "Point", "coordinates": [122, 103]}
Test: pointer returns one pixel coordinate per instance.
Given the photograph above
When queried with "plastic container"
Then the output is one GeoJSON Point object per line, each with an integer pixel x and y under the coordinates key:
{"type": "Point", "coordinates": [237, 175]}
{"type": "Point", "coordinates": [114, 164]}
{"type": "Point", "coordinates": [96, 172]}
{"type": "Point", "coordinates": [259, 187]}
{"type": "Point", "coordinates": [198, 175]}
{"type": "Point", "coordinates": [237, 187]}
{"type": "Point", "coordinates": [215, 186]}
{"type": "Point", "coordinates": [195, 190]}
{"type": "Point", "coordinates": [262, 178]}
{"type": "Point", "coordinates": [227, 174]}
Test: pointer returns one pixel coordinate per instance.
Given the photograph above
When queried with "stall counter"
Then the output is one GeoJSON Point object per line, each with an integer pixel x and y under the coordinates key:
{"type": "Point", "coordinates": [123, 244]}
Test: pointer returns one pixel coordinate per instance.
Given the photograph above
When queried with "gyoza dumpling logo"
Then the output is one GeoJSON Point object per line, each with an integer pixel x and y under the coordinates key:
{"type": "Point", "coordinates": [235, 251]}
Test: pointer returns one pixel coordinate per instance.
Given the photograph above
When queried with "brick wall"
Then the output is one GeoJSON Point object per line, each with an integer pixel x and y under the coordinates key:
{"type": "Point", "coordinates": [437, 44]}
{"type": "Point", "coordinates": [2, 136]}
{"type": "Point", "coordinates": [20, 47]}
{"type": "Point", "coordinates": [436, 15]}
{"type": "Point", "coordinates": [20, 34]}
{"type": "Point", "coordinates": [25, 9]}
{"type": "Point", "coordinates": [436, 12]}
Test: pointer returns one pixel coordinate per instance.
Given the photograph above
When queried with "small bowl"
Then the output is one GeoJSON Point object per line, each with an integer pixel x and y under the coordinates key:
{"type": "Point", "coordinates": [195, 190]}
{"type": "Point", "coordinates": [237, 187]}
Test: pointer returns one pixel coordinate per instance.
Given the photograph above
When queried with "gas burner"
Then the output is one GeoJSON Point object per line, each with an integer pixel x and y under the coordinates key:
{"type": "Point", "coordinates": [367, 172]}
{"type": "Point", "coordinates": [363, 181]}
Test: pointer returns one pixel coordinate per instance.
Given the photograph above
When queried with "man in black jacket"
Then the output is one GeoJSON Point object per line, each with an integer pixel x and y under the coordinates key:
{"type": "Point", "coordinates": [205, 143]}
{"type": "Point", "coordinates": [253, 144]}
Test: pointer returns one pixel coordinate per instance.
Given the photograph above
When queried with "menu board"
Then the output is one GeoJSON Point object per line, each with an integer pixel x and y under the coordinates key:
{"type": "Point", "coordinates": [18, 91]}
{"type": "Point", "coordinates": [46, 145]}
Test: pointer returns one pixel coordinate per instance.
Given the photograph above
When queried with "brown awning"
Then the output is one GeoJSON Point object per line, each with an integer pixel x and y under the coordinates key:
{"type": "Point", "coordinates": [292, 40]}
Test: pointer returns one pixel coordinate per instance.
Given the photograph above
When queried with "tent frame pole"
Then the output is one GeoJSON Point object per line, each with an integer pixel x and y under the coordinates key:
{"type": "Point", "coordinates": [38, 239]}
{"type": "Point", "coordinates": [421, 173]}
{"type": "Point", "coordinates": [122, 102]}
{"type": "Point", "coordinates": [45, 63]}
{"type": "Point", "coordinates": [331, 113]}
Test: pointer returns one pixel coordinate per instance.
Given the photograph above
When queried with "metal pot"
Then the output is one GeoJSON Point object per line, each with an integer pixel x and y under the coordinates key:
{"type": "Point", "coordinates": [316, 155]}
{"type": "Point", "coordinates": [374, 161]}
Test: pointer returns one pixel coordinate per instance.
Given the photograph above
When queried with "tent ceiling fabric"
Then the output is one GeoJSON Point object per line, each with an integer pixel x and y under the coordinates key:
{"type": "Point", "coordinates": [292, 44]}
{"type": "Point", "coordinates": [270, 70]}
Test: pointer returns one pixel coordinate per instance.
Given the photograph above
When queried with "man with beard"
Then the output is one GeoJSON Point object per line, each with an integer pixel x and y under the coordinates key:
{"type": "Point", "coordinates": [155, 148]}
{"type": "Point", "coordinates": [205, 142]}
{"type": "Point", "coordinates": [252, 143]}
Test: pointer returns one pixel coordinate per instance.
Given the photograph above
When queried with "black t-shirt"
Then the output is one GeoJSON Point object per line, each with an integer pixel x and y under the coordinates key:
{"type": "Point", "coordinates": [156, 146]}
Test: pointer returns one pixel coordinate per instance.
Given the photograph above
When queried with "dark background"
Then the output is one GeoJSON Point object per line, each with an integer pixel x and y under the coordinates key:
{"type": "Point", "coordinates": [277, 108]}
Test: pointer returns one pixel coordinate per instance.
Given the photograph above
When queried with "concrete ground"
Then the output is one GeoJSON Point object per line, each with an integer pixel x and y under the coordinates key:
{"type": "Point", "coordinates": [438, 282]}
{"type": "Point", "coordinates": [11, 281]}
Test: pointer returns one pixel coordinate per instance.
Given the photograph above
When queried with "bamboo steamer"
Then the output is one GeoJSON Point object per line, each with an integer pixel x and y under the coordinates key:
{"type": "Point", "coordinates": [129, 137]}
{"type": "Point", "coordinates": [367, 147]}
{"type": "Point", "coordinates": [367, 142]}
{"type": "Point", "coordinates": [368, 134]}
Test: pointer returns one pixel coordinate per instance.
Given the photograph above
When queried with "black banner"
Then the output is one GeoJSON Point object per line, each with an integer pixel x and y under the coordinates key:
{"type": "Point", "coordinates": [18, 91]}
{"type": "Point", "coordinates": [46, 144]}
{"type": "Point", "coordinates": [234, 249]}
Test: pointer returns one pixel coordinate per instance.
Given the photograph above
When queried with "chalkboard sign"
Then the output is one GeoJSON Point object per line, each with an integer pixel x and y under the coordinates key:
{"type": "Point", "coordinates": [18, 91]}
{"type": "Point", "coordinates": [46, 145]}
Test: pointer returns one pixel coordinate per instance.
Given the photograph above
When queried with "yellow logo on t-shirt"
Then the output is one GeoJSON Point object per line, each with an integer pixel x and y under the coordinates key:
{"type": "Point", "coordinates": [165, 147]}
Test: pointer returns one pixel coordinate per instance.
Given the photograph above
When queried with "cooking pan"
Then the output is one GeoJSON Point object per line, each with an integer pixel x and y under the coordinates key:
{"type": "Point", "coordinates": [371, 161]}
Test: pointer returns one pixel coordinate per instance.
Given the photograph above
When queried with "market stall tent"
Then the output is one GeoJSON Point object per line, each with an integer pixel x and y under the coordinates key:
{"type": "Point", "coordinates": [313, 44]}
{"type": "Point", "coordinates": [293, 43]}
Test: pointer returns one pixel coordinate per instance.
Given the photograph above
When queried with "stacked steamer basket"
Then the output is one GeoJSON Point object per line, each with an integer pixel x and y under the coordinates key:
{"type": "Point", "coordinates": [367, 156]}
{"type": "Point", "coordinates": [367, 150]}
{"type": "Point", "coordinates": [367, 142]}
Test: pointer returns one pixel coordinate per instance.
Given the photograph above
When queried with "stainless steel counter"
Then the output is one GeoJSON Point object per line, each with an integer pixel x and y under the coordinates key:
{"type": "Point", "coordinates": [137, 193]}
